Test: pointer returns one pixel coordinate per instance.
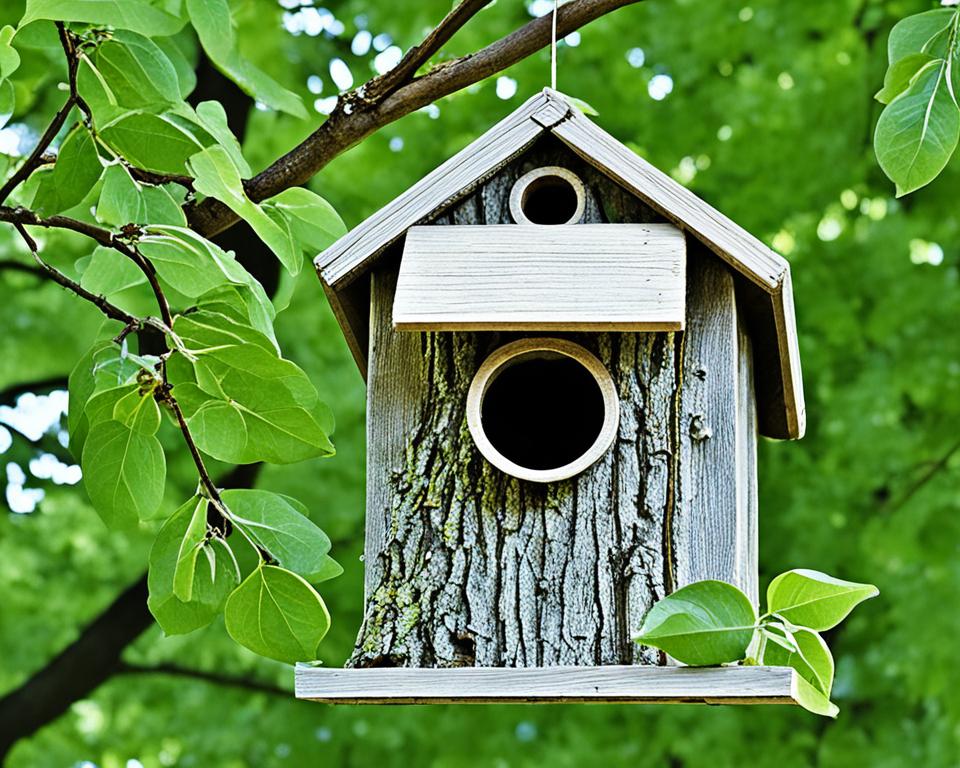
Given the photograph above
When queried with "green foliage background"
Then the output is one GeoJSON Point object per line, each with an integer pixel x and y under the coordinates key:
{"type": "Point", "coordinates": [770, 119]}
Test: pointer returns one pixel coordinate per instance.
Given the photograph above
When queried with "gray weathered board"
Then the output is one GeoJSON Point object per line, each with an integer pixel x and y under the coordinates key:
{"type": "Point", "coordinates": [612, 684]}
{"type": "Point", "coordinates": [591, 277]}
{"type": "Point", "coordinates": [763, 277]}
{"type": "Point", "coordinates": [466, 566]}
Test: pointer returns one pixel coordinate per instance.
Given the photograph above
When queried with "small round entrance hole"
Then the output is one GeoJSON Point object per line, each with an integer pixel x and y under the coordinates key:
{"type": "Point", "coordinates": [549, 195]}
{"type": "Point", "coordinates": [542, 409]}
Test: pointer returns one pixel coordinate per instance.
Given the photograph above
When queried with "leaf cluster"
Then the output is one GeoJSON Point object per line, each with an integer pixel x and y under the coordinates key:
{"type": "Point", "coordinates": [919, 128]}
{"type": "Point", "coordinates": [131, 156]}
{"type": "Point", "coordinates": [711, 622]}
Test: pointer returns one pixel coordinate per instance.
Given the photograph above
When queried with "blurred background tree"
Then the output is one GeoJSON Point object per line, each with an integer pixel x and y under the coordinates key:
{"type": "Point", "coordinates": [763, 108]}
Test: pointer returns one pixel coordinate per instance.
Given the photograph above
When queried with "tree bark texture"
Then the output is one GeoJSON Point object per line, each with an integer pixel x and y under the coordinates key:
{"type": "Point", "coordinates": [466, 565]}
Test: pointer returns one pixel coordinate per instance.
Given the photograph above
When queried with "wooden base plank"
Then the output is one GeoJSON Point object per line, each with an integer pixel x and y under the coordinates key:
{"type": "Point", "coordinates": [608, 684]}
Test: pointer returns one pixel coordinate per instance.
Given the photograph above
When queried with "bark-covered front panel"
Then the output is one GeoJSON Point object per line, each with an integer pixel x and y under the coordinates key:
{"type": "Point", "coordinates": [482, 568]}
{"type": "Point", "coordinates": [468, 566]}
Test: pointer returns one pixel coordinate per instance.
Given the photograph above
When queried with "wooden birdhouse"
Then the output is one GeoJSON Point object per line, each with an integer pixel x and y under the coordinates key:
{"type": "Point", "coordinates": [569, 358]}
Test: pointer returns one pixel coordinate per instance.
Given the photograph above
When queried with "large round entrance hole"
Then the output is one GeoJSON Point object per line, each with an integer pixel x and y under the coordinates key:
{"type": "Point", "coordinates": [542, 409]}
{"type": "Point", "coordinates": [549, 195]}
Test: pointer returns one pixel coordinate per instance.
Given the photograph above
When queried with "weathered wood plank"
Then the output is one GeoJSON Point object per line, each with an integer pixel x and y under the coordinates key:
{"type": "Point", "coordinates": [616, 277]}
{"type": "Point", "coordinates": [708, 532]}
{"type": "Point", "coordinates": [621, 684]}
{"type": "Point", "coordinates": [747, 438]}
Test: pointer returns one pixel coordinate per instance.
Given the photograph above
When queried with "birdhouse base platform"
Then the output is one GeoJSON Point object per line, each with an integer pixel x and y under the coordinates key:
{"type": "Point", "coordinates": [608, 684]}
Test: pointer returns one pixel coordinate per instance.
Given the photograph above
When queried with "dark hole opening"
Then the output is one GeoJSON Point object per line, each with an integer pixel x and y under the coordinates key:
{"type": "Point", "coordinates": [550, 200]}
{"type": "Point", "coordinates": [543, 412]}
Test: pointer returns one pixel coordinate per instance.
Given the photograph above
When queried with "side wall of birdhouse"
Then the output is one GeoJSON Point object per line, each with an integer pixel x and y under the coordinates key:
{"type": "Point", "coordinates": [468, 566]}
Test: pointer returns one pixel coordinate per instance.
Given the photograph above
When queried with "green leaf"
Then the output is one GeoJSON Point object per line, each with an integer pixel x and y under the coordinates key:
{"type": "Point", "coordinates": [913, 33]}
{"type": "Point", "coordinates": [211, 115]}
{"type": "Point", "coordinates": [119, 201]}
{"type": "Point", "coordinates": [136, 15]}
{"type": "Point", "coordinates": [110, 272]}
{"type": "Point", "coordinates": [8, 102]}
{"type": "Point", "coordinates": [211, 19]}
{"type": "Point", "coordinates": [248, 304]}
{"type": "Point", "coordinates": [815, 600]}
{"type": "Point", "coordinates": [813, 700]}
{"type": "Point", "coordinates": [124, 471]}
{"type": "Point", "coordinates": [260, 86]}
{"type": "Point", "coordinates": [579, 104]}
{"type": "Point", "coordinates": [77, 170]}
{"type": "Point", "coordinates": [702, 624]}
{"type": "Point", "coordinates": [80, 387]}
{"type": "Point", "coordinates": [314, 222]}
{"type": "Point", "coordinates": [154, 142]}
{"type": "Point", "coordinates": [189, 263]}
{"type": "Point", "coordinates": [249, 406]}
{"type": "Point", "coordinates": [810, 656]}
{"type": "Point", "coordinates": [163, 205]}
{"type": "Point", "coordinates": [919, 130]}
{"type": "Point", "coordinates": [194, 537]}
{"type": "Point", "coordinates": [329, 569]}
{"type": "Point", "coordinates": [9, 58]}
{"type": "Point", "coordinates": [139, 411]}
{"type": "Point", "coordinates": [180, 55]}
{"type": "Point", "coordinates": [277, 614]}
{"type": "Point", "coordinates": [203, 330]}
{"type": "Point", "coordinates": [137, 72]}
{"type": "Point", "coordinates": [176, 554]}
{"type": "Point", "coordinates": [279, 525]}
{"type": "Point", "coordinates": [900, 75]}
{"type": "Point", "coordinates": [216, 176]}
{"type": "Point", "coordinates": [214, 25]}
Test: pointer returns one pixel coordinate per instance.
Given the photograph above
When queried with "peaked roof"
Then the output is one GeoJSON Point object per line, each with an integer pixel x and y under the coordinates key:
{"type": "Point", "coordinates": [767, 290]}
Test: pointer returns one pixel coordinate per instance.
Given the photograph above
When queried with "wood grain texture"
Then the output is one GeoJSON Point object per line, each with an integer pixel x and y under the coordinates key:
{"type": "Point", "coordinates": [609, 684]}
{"type": "Point", "coordinates": [356, 250]}
{"type": "Point", "coordinates": [616, 277]}
{"type": "Point", "coordinates": [747, 493]}
{"type": "Point", "coordinates": [707, 536]}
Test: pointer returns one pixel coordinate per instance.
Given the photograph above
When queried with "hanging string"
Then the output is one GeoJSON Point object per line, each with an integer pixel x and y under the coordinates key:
{"type": "Point", "coordinates": [553, 47]}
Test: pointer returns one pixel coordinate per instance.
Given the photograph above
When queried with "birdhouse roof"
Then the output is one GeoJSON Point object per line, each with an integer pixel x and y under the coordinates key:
{"type": "Point", "coordinates": [764, 282]}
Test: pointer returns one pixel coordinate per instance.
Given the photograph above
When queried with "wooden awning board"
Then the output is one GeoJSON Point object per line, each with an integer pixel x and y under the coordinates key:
{"type": "Point", "coordinates": [588, 277]}
{"type": "Point", "coordinates": [780, 387]}
{"type": "Point", "coordinates": [608, 684]}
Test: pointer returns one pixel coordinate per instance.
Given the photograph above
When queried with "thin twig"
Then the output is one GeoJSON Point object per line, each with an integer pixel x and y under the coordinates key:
{"type": "Point", "coordinates": [68, 42]}
{"type": "Point", "coordinates": [925, 478]}
{"type": "Point", "coordinates": [151, 177]}
{"type": "Point", "coordinates": [20, 216]}
{"type": "Point", "coordinates": [420, 54]}
{"type": "Point", "coordinates": [12, 265]}
{"type": "Point", "coordinates": [36, 158]}
{"type": "Point", "coordinates": [110, 310]}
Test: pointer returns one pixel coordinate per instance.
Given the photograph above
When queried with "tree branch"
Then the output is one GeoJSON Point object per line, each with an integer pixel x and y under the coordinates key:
{"type": "Point", "coordinates": [420, 54]}
{"type": "Point", "coordinates": [39, 157]}
{"type": "Point", "coordinates": [217, 678]}
{"type": "Point", "coordinates": [357, 115]}
{"type": "Point", "coordinates": [110, 310]}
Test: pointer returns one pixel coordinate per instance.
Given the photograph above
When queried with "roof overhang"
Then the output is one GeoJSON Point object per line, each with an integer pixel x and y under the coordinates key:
{"type": "Point", "coordinates": [764, 276]}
